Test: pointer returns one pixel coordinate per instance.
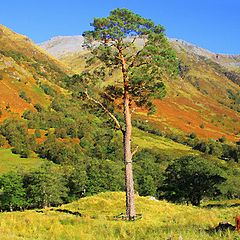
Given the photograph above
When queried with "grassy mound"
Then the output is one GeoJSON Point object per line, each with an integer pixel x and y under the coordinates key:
{"type": "Point", "coordinates": [160, 220]}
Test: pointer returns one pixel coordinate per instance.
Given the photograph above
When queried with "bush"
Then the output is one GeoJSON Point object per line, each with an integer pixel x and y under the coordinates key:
{"type": "Point", "coordinates": [48, 90]}
{"type": "Point", "coordinates": [23, 95]}
{"type": "Point", "coordinates": [104, 176]}
{"type": "Point", "coordinates": [37, 133]}
{"type": "Point", "coordinates": [192, 135]}
{"type": "Point", "coordinates": [39, 107]}
{"type": "Point", "coordinates": [222, 139]}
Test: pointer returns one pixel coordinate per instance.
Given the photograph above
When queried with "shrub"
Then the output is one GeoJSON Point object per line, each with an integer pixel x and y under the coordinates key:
{"type": "Point", "coordinates": [37, 133]}
{"type": "Point", "coordinates": [23, 95]}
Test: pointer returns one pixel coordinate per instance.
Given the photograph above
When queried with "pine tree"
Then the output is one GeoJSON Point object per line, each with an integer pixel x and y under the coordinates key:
{"type": "Point", "coordinates": [136, 47]}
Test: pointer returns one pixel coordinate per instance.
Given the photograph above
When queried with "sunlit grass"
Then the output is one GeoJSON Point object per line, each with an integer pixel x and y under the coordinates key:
{"type": "Point", "coordinates": [13, 162]}
{"type": "Point", "coordinates": [150, 141]}
{"type": "Point", "coordinates": [160, 220]}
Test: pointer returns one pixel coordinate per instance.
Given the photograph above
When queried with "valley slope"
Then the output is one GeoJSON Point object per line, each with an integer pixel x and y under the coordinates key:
{"type": "Point", "coordinates": [24, 71]}
{"type": "Point", "coordinates": [204, 100]}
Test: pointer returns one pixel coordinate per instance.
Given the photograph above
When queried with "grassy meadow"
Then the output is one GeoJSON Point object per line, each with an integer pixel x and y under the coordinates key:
{"type": "Point", "coordinates": [12, 162]}
{"type": "Point", "coordinates": [161, 144]}
{"type": "Point", "coordinates": [160, 220]}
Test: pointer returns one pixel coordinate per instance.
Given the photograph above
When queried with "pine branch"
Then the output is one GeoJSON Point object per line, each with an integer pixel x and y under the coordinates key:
{"type": "Point", "coordinates": [106, 110]}
{"type": "Point", "coordinates": [135, 151]}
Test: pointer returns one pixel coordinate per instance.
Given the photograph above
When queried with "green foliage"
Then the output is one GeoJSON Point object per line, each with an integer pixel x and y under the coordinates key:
{"type": "Point", "coordinates": [190, 179]}
{"type": "Point", "coordinates": [12, 193]}
{"type": "Point", "coordinates": [15, 132]}
{"type": "Point", "coordinates": [230, 188]}
{"type": "Point", "coordinates": [231, 152]}
{"type": "Point", "coordinates": [144, 68]}
{"type": "Point", "coordinates": [59, 152]}
{"type": "Point", "coordinates": [104, 176]}
{"type": "Point", "coordinates": [48, 90]}
{"type": "Point", "coordinates": [77, 180]}
{"type": "Point", "coordinates": [45, 187]}
{"type": "Point", "coordinates": [39, 107]}
{"type": "Point", "coordinates": [148, 172]}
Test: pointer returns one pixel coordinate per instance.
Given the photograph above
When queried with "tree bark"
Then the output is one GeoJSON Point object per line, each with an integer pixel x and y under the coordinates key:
{"type": "Point", "coordinates": [127, 135]}
{"type": "Point", "coordinates": [129, 184]}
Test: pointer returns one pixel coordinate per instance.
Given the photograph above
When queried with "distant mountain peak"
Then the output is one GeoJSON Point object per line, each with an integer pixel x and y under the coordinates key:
{"type": "Point", "coordinates": [61, 45]}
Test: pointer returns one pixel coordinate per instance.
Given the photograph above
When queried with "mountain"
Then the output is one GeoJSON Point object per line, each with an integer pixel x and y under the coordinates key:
{"type": "Point", "coordinates": [205, 100]}
{"type": "Point", "coordinates": [61, 45]}
{"type": "Point", "coordinates": [232, 62]}
{"type": "Point", "coordinates": [25, 70]}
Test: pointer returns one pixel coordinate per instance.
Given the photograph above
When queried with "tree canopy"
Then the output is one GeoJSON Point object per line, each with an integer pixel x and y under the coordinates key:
{"type": "Point", "coordinates": [145, 50]}
{"type": "Point", "coordinates": [191, 178]}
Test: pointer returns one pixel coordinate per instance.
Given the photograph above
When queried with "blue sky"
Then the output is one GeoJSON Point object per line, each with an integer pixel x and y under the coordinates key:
{"type": "Point", "coordinates": [211, 24]}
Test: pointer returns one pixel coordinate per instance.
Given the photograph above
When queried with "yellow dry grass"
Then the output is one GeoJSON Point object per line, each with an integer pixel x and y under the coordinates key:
{"type": "Point", "coordinates": [160, 220]}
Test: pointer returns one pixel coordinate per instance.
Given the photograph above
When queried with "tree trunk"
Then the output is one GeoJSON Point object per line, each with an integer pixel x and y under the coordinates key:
{"type": "Point", "coordinates": [127, 135]}
{"type": "Point", "coordinates": [129, 184]}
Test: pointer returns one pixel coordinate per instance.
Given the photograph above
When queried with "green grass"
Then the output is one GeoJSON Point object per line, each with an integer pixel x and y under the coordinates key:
{"type": "Point", "coordinates": [161, 144]}
{"type": "Point", "coordinates": [160, 220]}
{"type": "Point", "coordinates": [13, 162]}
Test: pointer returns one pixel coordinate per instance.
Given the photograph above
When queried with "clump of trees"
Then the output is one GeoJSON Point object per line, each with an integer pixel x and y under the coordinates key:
{"type": "Point", "coordinates": [16, 133]}
{"type": "Point", "coordinates": [190, 179]}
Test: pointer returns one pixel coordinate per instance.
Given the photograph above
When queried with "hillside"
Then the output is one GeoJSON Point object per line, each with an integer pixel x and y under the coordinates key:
{"type": "Point", "coordinates": [205, 100]}
{"type": "Point", "coordinates": [160, 220]}
{"type": "Point", "coordinates": [231, 62]}
{"type": "Point", "coordinates": [24, 70]}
